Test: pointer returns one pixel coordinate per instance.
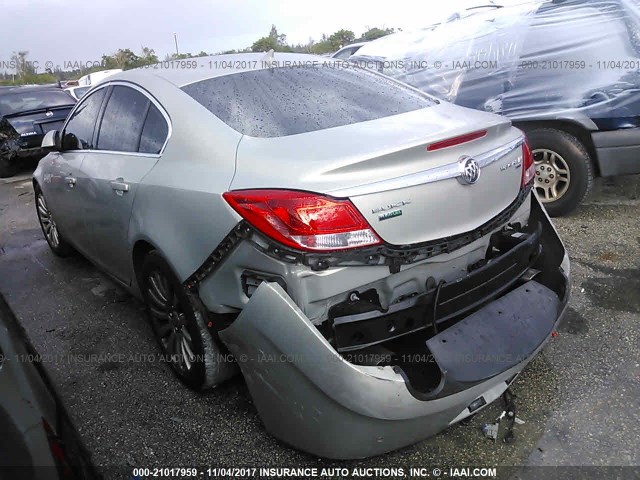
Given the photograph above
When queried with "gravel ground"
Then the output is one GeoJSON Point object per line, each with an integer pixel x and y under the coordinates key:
{"type": "Point", "coordinates": [579, 397]}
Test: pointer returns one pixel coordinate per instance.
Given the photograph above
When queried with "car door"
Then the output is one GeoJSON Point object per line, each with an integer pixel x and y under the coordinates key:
{"type": "Point", "coordinates": [130, 135]}
{"type": "Point", "coordinates": [64, 176]}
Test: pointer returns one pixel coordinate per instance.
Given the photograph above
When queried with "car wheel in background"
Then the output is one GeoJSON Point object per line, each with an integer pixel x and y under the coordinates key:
{"type": "Point", "coordinates": [564, 171]}
{"type": "Point", "coordinates": [56, 241]}
{"type": "Point", "coordinates": [179, 322]}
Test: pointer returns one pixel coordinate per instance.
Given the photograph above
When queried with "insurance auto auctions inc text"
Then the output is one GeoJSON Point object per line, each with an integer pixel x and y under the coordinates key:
{"type": "Point", "coordinates": [355, 472]}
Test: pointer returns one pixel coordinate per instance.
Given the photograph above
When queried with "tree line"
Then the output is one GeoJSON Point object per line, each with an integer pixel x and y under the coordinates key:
{"type": "Point", "coordinates": [26, 72]}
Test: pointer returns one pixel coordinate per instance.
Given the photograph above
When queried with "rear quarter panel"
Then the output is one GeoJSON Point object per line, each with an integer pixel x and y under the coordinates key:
{"type": "Point", "coordinates": [179, 207]}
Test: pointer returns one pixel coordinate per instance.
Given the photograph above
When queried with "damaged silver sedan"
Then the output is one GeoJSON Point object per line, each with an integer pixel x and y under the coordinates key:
{"type": "Point", "coordinates": [372, 259]}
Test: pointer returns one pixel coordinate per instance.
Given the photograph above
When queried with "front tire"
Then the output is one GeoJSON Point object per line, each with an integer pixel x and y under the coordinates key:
{"type": "Point", "coordinates": [564, 171]}
{"type": "Point", "coordinates": [57, 243]}
{"type": "Point", "coordinates": [179, 322]}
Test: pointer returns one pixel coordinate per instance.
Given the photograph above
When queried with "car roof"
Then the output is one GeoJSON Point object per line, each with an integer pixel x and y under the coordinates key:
{"type": "Point", "coordinates": [192, 70]}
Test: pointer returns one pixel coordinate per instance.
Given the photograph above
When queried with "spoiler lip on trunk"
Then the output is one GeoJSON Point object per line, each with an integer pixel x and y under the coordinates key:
{"type": "Point", "coordinates": [38, 110]}
{"type": "Point", "coordinates": [436, 174]}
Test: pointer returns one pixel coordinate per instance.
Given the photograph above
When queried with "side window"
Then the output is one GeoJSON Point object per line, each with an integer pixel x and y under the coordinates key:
{"type": "Point", "coordinates": [346, 53]}
{"type": "Point", "coordinates": [123, 119]}
{"type": "Point", "coordinates": [78, 134]}
{"type": "Point", "coordinates": [154, 133]}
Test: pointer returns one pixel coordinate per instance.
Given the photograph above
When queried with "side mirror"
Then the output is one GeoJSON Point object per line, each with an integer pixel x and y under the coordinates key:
{"type": "Point", "coordinates": [51, 140]}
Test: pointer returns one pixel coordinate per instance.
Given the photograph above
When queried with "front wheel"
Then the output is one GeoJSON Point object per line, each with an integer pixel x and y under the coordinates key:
{"type": "Point", "coordinates": [179, 322]}
{"type": "Point", "coordinates": [564, 171]}
{"type": "Point", "coordinates": [52, 235]}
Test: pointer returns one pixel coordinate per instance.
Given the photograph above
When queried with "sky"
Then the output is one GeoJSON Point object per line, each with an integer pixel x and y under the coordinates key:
{"type": "Point", "coordinates": [56, 32]}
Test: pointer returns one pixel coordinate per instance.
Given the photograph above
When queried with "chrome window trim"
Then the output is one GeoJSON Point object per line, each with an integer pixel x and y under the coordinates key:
{"type": "Point", "coordinates": [436, 174]}
{"type": "Point", "coordinates": [142, 91]}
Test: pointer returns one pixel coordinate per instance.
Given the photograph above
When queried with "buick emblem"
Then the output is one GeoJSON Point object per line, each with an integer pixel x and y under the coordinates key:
{"type": "Point", "coordinates": [469, 171]}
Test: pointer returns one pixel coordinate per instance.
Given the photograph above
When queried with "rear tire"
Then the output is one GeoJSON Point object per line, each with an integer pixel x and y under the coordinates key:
{"type": "Point", "coordinates": [564, 171]}
{"type": "Point", "coordinates": [58, 245]}
{"type": "Point", "coordinates": [179, 322]}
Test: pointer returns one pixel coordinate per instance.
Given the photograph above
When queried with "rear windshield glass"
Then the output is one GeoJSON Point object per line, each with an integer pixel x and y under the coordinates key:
{"type": "Point", "coordinates": [289, 100]}
{"type": "Point", "coordinates": [17, 102]}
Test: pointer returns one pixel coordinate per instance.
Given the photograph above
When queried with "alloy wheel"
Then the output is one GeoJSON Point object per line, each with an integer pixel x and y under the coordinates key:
{"type": "Point", "coordinates": [170, 320]}
{"type": "Point", "coordinates": [46, 220]}
{"type": "Point", "coordinates": [552, 175]}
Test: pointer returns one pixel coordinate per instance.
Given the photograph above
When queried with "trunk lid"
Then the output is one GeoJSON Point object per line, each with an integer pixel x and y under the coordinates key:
{"type": "Point", "coordinates": [406, 193]}
{"type": "Point", "coordinates": [31, 126]}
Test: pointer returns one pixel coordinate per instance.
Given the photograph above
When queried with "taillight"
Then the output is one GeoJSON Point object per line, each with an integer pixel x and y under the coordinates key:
{"type": "Point", "coordinates": [528, 167]}
{"type": "Point", "coordinates": [57, 452]}
{"type": "Point", "coordinates": [452, 142]}
{"type": "Point", "coordinates": [303, 220]}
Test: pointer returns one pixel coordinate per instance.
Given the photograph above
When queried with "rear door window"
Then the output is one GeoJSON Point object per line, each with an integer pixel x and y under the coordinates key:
{"type": "Point", "coordinates": [154, 133]}
{"type": "Point", "coordinates": [123, 120]}
{"type": "Point", "coordinates": [287, 100]}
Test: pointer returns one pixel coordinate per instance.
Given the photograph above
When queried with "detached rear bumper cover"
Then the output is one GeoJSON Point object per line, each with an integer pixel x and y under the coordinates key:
{"type": "Point", "coordinates": [310, 397]}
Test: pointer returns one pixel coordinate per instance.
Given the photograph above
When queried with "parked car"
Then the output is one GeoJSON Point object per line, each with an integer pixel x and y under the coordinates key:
{"type": "Point", "coordinates": [348, 50]}
{"type": "Point", "coordinates": [77, 92]}
{"type": "Point", "coordinates": [26, 114]}
{"type": "Point", "coordinates": [371, 256]}
{"type": "Point", "coordinates": [97, 77]}
{"type": "Point", "coordinates": [39, 440]}
{"type": "Point", "coordinates": [565, 72]}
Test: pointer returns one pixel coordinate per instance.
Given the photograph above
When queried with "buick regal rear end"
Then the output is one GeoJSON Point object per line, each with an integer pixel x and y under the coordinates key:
{"type": "Point", "coordinates": [374, 259]}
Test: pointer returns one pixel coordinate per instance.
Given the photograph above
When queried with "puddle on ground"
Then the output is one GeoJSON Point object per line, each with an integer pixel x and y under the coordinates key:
{"type": "Point", "coordinates": [573, 323]}
{"type": "Point", "coordinates": [614, 293]}
{"type": "Point", "coordinates": [620, 291]}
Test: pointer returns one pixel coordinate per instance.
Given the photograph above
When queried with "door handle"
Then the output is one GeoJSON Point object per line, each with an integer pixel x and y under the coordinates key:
{"type": "Point", "coordinates": [120, 186]}
{"type": "Point", "coordinates": [71, 181]}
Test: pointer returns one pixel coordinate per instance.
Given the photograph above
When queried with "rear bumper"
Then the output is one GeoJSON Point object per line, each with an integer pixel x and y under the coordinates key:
{"type": "Point", "coordinates": [312, 398]}
{"type": "Point", "coordinates": [618, 151]}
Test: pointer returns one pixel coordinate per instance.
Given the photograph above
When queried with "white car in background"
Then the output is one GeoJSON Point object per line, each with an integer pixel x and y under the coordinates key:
{"type": "Point", "coordinates": [348, 50]}
{"type": "Point", "coordinates": [95, 77]}
{"type": "Point", "coordinates": [78, 91]}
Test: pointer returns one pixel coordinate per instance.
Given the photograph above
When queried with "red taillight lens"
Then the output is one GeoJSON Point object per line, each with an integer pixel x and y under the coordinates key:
{"type": "Point", "coordinates": [57, 452]}
{"type": "Point", "coordinates": [528, 167]}
{"type": "Point", "coordinates": [303, 220]}
{"type": "Point", "coordinates": [452, 142]}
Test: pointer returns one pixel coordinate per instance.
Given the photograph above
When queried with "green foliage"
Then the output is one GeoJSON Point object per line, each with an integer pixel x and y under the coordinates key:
{"type": "Point", "coordinates": [322, 47]}
{"type": "Point", "coordinates": [264, 44]}
{"type": "Point", "coordinates": [244, 50]}
{"type": "Point", "coordinates": [341, 38]}
{"type": "Point", "coordinates": [29, 79]}
{"type": "Point", "coordinates": [274, 41]}
{"type": "Point", "coordinates": [25, 72]}
{"type": "Point", "coordinates": [374, 33]}
{"type": "Point", "coordinates": [126, 59]}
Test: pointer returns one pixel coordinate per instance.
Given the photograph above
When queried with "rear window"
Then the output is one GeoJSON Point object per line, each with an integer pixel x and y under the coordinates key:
{"type": "Point", "coordinates": [289, 100]}
{"type": "Point", "coordinates": [18, 102]}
